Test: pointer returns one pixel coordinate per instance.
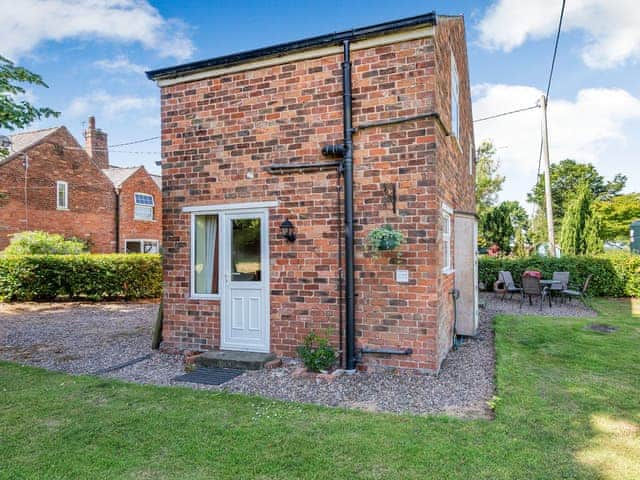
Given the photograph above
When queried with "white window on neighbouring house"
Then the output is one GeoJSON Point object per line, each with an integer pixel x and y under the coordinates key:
{"type": "Point", "coordinates": [204, 255]}
{"type": "Point", "coordinates": [141, 246]}
{"type": "Point", "coordinates": [62, 195]}
{"type": "Point", "coordinates": [455, 99]}
{"type": "Point", "coordinates": [447, 262]}
{"type": "Point", "coordinates": [143, 206]}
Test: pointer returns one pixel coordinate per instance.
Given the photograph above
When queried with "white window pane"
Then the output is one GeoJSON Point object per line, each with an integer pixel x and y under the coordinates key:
{"type": "Point", "coordinates": [143, 199]}
{"type": "Point", "coordinates": [150, 247]}
{"type": "Point", "coordinates": [205, 256]}
{"type": "Point", "coordinates": [143, 212]}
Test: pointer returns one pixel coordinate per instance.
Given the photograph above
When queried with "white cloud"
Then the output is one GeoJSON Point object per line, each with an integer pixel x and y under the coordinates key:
{"type": "Point", "coordinates": [105, 104]}
{"type": "Point", "coordinates": [610, 28]}
{"type": "Point", "coordinates": [588, 129]}
{"type": "Point", "coordinates": [120, 64]}
{"type": "Point", "coordinates": [26, 23]}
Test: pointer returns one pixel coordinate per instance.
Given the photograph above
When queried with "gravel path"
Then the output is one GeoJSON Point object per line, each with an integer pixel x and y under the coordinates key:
{"type": "Point", "coordinates": [574, 308]}
{"type": "Point", "coordinates": [94, 338]}
{"type": "Point", "coordinates": [87, 338]}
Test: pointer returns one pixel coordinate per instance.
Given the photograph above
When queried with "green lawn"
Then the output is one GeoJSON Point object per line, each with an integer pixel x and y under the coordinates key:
{"type": "Point", "coordinates": [568, 407]}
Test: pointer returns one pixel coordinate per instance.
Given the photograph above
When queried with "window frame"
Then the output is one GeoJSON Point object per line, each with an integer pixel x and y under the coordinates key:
{"type": "Point", "coordinates": [142, 241]}
{"type": "Point", "coordinates": [447, 254]}
{"type": "Point", "coordinates": [60, 183]}
{"type": "Point", "coordinates": [144, 205]}
{"type": "Point", "coordinates": [192, 258]}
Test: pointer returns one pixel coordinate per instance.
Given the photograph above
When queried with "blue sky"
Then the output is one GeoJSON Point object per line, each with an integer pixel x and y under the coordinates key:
{"type": "Point", "coordinates": [93, 54]}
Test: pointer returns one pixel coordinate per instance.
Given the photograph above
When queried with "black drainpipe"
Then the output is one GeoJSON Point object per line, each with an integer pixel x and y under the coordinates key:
{"type": "Point", "coordinates": [350, 346]}
{"type": "Point", "coordinates": [117, 218]}
{"type": "Point", "coordinates": [345, 151]}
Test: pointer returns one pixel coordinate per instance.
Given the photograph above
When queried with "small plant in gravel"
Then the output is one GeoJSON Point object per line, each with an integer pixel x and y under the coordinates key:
{"type": "Point", "coordinates": [316, 353]}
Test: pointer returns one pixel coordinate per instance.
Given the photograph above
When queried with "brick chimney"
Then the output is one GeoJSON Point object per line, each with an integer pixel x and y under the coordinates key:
{"type": "Point", "coordinates": [95, 143]}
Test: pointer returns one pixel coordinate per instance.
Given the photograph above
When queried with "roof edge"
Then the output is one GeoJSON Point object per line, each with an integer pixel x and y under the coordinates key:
{"type": "Point", "coordinates": [297, 45]}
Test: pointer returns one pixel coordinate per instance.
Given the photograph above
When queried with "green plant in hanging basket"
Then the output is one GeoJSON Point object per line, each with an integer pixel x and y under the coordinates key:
{"type": "Point", "coordinates": [384, 238]}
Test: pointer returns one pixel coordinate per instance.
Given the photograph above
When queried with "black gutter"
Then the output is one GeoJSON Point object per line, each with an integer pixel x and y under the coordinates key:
{"type": "Point", "coordinates": [347, 165]}
{"type": "Point", "coordinates": [298, 45]}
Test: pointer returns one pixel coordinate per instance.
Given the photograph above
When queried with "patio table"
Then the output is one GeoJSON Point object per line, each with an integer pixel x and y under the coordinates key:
{"type": "Point", "coordinates": [550, 284]}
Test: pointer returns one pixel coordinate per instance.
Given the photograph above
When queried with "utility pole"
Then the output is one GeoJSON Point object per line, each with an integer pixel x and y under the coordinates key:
{"type": "Point", "coordinates": [547, 178]}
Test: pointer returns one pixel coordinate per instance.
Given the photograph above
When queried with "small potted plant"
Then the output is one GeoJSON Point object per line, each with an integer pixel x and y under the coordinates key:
{"type": "Point", "coordinates": [384, 238]}
{"type": "Point", "coordinates": [316, 353]}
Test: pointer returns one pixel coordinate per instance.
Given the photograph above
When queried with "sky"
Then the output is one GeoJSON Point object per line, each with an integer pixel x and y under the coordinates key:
{"type": "Point", "coordinates": [93, 55]}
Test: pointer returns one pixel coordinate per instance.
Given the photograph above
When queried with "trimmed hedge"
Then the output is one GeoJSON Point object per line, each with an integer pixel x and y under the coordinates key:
{"type": "Point", "coordinates": [614, 275]}
{"type": "Point", "coordinates": [85, 276]}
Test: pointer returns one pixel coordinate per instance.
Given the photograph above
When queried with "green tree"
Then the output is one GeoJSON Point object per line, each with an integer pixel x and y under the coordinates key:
{"type": "Point", "coordinates": [566, 177]}
{"type": "Point", "coordinates": [580, 228]}
{"type": "Point", "coordinates": [496, 227]}
{"type": "Point", "coordinates": [488, 182]}
{"type": "Point", "coordinates": [16, 113]}
{"type": "Point", "coordinates": [593, 243]}
{"type": "Point", "coordinates": [617, 214]}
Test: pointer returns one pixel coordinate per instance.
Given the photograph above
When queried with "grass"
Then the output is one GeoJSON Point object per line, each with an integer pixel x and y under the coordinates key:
{"type": "Point", "coordinates": [568, 407]}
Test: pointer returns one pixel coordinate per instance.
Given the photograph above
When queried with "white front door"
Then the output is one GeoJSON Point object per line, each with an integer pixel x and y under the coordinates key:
{"type": "Point", "coordinates": [245, 296]}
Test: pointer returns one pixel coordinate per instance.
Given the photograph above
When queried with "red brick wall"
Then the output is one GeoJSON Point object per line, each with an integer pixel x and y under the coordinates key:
{"type": "Point", "coordinates": [455, 182]}
{"type": "Point", "coordinates": [216, 130]}
{"type": "Point", "coordinates": [91, 196]}
{"type": "Point", "coordinates": [130, 228]}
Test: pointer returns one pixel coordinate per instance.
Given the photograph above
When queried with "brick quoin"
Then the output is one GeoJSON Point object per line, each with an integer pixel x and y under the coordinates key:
{"type": "Point", "coordinates": [218, 128]}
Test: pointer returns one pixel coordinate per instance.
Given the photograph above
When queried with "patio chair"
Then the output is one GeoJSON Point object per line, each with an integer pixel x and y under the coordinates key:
{"type": "Point", "coordinates": [557, 288]}
{"type": "Point", "coordinates": [532, 287]}
{"type": "Point", "coordinates": [579, 292]}
{"type": "Point", "coordinates": [510, 286]}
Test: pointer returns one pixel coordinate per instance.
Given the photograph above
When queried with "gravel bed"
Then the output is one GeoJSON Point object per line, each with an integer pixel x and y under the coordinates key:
{"type": "Point", "coordinates": [87, 338]}
{"type": "Point", "coordinates": [574, 308]}
{"type": "Point", "coordinates": [75, 337]}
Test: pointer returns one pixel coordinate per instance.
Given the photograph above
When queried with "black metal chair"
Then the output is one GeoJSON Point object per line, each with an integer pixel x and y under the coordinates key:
{"type": "Point", "coordinates": [509, 285]}
{"type": "Point", "coordinates": [532, 287]}
{"type": "Point", "coordinates": [578, 292]}
{"type": "Point", "coordinates": [557, 288]}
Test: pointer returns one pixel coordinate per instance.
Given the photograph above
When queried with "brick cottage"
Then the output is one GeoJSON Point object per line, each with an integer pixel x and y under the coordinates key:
{"type": "Point", "coordinates": [258, 231]}
{"type": "Point", "coordinates": [49, 182]}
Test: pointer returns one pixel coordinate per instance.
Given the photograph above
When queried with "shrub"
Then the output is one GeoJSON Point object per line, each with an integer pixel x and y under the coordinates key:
{"type": "Point", "coordinates": [43, 243]}
{"type": "Point", "coordinates": [94, 277]}
{"type": "Point", "coordinates": [316, 353]}
{"type": "Point", "coordinates": [614, 274]}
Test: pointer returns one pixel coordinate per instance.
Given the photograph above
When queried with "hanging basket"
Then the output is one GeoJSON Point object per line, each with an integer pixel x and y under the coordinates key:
{"type": "Point", "coordinates": [384, 238]}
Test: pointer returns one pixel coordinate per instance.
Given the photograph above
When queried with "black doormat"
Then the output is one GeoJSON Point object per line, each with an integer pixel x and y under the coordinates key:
{"type": "Point", "coordinates": [209, 376]}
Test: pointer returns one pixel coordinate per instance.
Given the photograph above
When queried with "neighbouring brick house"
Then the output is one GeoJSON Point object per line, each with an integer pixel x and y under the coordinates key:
{"type": "Point", "coordinates": [242, 137]}
{"type": "Point", "coordinates": [49, 182]}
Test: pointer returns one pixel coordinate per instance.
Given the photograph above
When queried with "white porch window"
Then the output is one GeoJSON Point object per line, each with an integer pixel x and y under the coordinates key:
{"type": "Point", "coordinates": [447, 262]}
{"type": "Point", "coordinates": [144, 204]}
{"type": "Point", "coordinates": [62, 195]}
{"type": "Point", "coordinates": [204, 258]}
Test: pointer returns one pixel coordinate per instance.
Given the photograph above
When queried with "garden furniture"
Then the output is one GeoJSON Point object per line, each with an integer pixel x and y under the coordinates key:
{"type": "Point", "coordinates": [579, 292]}
{"type": "Point", "coordinates": [532, 287]}
{"type": "Point", "coordinates": [509, 285]}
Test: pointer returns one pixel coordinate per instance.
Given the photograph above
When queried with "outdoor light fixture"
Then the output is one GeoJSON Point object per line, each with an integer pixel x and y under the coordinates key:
{"type": "Point", "coordinates": [288, 230]}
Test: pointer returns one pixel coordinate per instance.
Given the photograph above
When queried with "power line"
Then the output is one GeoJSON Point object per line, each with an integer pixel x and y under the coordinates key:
{"type": "Point", "coordinates": [555, 48]}
{"type": "Point", "coordinates": [134, 142]}
{"type": "Point", "coordinates": [506, 113]}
